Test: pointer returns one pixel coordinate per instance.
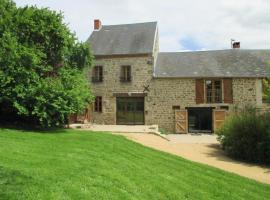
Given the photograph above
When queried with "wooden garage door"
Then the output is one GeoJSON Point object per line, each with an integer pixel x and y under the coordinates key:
{"type": "Point", "coordinates": [219, 117]}
{"type": "Point", "coordinates": [130, 110]}
{"type": "Point", "coordinates": [181, 121]}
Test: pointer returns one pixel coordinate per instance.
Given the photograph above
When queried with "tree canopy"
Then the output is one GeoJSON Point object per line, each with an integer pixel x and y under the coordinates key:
{"type": "Point", "coordinates": [42, 66]}
{"type": "Point", "coordinates": [266, 88]}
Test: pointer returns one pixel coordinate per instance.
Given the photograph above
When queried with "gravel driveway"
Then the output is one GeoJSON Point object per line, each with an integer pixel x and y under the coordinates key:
{"type": "Point", "coordinates": [203, 149]}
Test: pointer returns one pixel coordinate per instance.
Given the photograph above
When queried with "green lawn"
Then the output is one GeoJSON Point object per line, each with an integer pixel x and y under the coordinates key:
{"type": "Point", "coordinates": [83, 165]}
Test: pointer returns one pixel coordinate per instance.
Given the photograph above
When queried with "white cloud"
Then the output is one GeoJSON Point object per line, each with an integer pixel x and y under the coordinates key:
{"type": "Point", "coordinates": [210, 22]}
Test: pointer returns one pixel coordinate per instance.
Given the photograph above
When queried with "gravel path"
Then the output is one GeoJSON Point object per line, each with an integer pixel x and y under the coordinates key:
{"type": "Point", "coordinates": [203, 149]}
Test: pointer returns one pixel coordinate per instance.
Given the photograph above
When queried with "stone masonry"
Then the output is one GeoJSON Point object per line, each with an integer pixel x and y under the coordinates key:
{"type": "Point", "coordinates": [247, 91]}
{"type": "Point", "coordinates": [164, 93]}
{"type": "Point", "coordinates": [141, 72]}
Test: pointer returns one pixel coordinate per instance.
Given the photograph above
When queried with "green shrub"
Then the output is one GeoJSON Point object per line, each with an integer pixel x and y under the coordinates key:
{"type": "Point", "coordinates": [245, 135]}
{"type": "Point", "coordinates": [163, 131]}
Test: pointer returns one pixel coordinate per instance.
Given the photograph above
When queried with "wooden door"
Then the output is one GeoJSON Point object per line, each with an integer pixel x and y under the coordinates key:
{"type": "Point", "coordinates": [219, 117]}
{"type": "Point", "coordinates": [181, 121]}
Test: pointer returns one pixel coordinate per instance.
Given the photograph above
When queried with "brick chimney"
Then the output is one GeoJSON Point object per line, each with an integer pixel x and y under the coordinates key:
{"type": "Point", "coordinates": [236, 45]}
{"type": "Point", "coordinates": [97, 24]}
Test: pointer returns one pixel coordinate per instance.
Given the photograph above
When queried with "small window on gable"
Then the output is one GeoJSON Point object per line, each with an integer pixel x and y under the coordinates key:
{"type": "Point", "coordinates": [97, 74]}
{"type": "Point", "coordinates": [125, 75]}
{"type": "Point", "coordinates": [98, 104]}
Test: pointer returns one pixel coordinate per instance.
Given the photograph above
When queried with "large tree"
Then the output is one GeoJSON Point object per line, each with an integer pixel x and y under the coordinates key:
{"type": "Point", "coordinates": [42, 66]}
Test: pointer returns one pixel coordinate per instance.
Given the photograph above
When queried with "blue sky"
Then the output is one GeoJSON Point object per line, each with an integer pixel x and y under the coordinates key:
{"type": "Point", "coordinates": [190, 43]}
{"type": "Point", "coordinates": [184, 25]}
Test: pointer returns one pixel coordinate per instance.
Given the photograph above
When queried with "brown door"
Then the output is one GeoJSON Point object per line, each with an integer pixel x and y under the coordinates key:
{"type": "Point", "coordinates": [181, 121]}
{"type": "Point", "coordinates": [219, 117]}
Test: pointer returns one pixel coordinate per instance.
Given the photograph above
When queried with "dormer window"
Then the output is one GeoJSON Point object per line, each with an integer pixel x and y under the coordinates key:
{"type": "Point", "coordinates": [97, 74]}
{"type": "Point", "coordinates": [125, 73]}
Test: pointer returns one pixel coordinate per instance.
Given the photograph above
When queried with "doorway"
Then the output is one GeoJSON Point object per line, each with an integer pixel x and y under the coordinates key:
{"type": "Point", "coordinates": [130, 110]}
{"type": "Point", "coordinates": [200, 120]}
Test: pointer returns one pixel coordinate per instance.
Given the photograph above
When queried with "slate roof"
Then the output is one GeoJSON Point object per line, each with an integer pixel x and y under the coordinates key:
{"type": "Point", "coordinates": [220, 63]}
{"type": "Point", "coordinates": [124, 39]}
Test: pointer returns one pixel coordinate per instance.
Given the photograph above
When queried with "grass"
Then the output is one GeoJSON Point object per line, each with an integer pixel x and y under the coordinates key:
{"type": "Point", "coordinates": [69, 164]}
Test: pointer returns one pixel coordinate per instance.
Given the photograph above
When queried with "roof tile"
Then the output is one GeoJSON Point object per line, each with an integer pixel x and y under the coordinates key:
{"type": "Point", "coordinates": [220, 63]}
{"type": "Point", "coordinates": [124, 39]}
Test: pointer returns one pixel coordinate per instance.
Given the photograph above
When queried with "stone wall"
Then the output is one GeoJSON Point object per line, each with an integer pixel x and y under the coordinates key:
{"type": "Point", "coordinates": [259, 93]}
{"type": "Point", "coordinates": [164, 93]}
{"type": "Point", "coordinates": [245, 91]}
{"type": "Point", "coordinates": [263, 108]}
{"type": "Point", "coordinates": [156, 48]}
{"type": "Point", "coordinates": [168, 92]}
{"type": "Point", "coordinates": [141, 72]}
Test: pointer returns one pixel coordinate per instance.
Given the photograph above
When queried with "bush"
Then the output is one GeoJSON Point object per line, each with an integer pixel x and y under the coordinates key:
{"type": "Point", "coordinates": [245, 135]}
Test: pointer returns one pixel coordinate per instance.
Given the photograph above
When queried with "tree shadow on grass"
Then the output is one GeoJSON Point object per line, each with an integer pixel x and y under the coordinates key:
{"type": "Point", "coordinates": [29, 128]}
{"type": "Point", "coordinates": [13, 184]}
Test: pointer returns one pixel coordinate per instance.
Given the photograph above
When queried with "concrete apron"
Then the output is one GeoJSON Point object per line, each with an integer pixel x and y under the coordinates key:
{"type": "Point", "coordinates": [151, 129]}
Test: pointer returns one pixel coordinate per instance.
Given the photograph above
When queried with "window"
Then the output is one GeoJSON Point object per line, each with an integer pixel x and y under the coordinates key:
{"type": "Point", "coordinates": [98, 104]}
{"type": "Point", "coordinates": [213, 91]}
{"type": "Point", "coordinates": [125, 73]}
{"type": "Point", "coordinates": [97, 74]}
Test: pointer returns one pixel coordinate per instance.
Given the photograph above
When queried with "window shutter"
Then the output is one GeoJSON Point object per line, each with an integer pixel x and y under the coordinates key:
{"type": "Point", "coordinates": [199, 91]}
{"type": "Point", "coordinates": [228, 91]}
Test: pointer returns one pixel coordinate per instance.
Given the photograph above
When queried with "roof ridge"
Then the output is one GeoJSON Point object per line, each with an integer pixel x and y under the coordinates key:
{"type": "Point", "coordinates": [130, 24]}
{"type": "Point", "coordinates": [214, 50]}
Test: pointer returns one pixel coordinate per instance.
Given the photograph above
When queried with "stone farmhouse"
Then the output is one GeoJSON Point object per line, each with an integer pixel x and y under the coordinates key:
{"type": "Point", "coordinates": [182, 92]}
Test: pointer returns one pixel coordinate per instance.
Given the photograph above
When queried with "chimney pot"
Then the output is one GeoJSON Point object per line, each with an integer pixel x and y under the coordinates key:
{"type": "Point", "coordinates": [97, 24]}
{"type": "Point", "coordinates": [236, 45]}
